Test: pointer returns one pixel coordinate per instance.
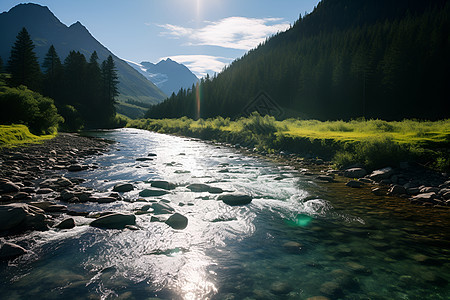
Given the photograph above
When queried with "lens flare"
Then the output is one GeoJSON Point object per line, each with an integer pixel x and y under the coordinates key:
{"type": "Point", "coordinates": [198, 96]}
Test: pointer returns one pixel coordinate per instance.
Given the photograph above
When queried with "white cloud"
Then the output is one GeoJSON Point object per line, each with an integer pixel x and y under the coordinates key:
{"type": "Point", "coordinates": [200, 65]}
{"type": "Point", "coordinates": [233, 32]}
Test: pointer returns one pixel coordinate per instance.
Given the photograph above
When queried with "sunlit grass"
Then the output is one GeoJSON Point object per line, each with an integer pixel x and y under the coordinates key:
{"type": "Point", "coordinates": [369, 142]}
{"type": "Point", "coordinates": [15, 135]}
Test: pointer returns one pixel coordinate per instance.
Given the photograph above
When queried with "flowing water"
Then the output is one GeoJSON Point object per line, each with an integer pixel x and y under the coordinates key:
{"type": "Point", "coordinates": [297, 239]}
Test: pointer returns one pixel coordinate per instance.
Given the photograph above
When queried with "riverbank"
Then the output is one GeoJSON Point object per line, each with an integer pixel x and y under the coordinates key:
{"type": "Point", "coordinates": [390, 158]}
{"type": "Point", "coordinates": [15, 135]}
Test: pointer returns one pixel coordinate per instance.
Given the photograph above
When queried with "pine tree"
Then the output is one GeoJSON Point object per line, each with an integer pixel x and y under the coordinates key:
{"type": "Point", "coordinates": [93, 87]}
{"type": "Point", "coordinates": [109, 88]}
{"type": "Point", "coordinates": [52, 68]}
{"type": "Point", "coordinates": [22, 64]}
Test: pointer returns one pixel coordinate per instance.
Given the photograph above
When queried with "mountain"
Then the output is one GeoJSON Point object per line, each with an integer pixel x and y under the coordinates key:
{"type": "Point", "coordinates": [347, 59]}
{"type": "Point", "coordinates": [45, 30]}
{"type": "Point", "coordinates": [168, 75]}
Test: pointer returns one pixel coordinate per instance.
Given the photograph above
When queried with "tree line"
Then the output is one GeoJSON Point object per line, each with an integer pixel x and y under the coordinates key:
{"type": "Point", "coordinates": [83, 91]}
{"type": "Point", "coordinates": [347, 59]}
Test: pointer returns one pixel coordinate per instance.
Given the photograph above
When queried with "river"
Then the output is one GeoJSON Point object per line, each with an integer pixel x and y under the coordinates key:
{"type": "Point", "coordinates": [297, 239]}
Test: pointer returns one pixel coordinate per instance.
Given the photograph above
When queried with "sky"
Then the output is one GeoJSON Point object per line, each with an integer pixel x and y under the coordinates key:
{"type": "Point", "coordinates": [205, 35]}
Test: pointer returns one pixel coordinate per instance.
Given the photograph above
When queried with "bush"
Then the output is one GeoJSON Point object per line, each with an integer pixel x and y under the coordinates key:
{"type": "Point", "coordinates": [23, 106]}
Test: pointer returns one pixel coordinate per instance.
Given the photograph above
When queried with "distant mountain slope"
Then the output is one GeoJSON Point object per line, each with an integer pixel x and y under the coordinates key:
{"type": "Point", "coordinates": [347, 59]}
{"type": "Point", "coordinates": [45, 29]}
{"type": "Point", "coordinates": [168, 75]}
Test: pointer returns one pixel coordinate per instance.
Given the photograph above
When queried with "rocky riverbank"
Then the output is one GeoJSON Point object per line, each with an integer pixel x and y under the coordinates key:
{"type": "Point", "coordinates": [420, 185]}
{"type": "Point", "coordinates": [31, 185]}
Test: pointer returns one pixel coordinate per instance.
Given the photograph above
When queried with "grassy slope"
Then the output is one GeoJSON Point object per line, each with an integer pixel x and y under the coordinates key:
{"type": "Point", "coordinates": [373, 143]}
{"type": "Point", "coordinates": [14, 135]}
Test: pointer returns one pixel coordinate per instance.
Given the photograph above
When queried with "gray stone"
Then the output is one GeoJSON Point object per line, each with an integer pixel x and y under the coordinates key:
{"type": "Point", "coordinates": [162, 208]}
{"type": "Point", "coordinates": [177, 221]}
{"type": "Point", "coordinates": [114, 221]}
{"type": "Point", "coordinates": [380, 174]}
{"type": "Point", "coordinates": [21, 196]}
{"type": "Point", "coordinates": [63, 182]}
{"type": "Point", "coordinates": [44, 191]}
{"type": "Point", "coordinates": [354, 184]}
{"type": "Point", "coordinates": [355, 173]}
{"type": "Point", "coordinates": [198, 187]}
{"type": "Point", "coordinates": [12, 215]}
{"type": "Point", "coordinates": [144, 159]}
{"type": "Point", "coordinates": [397, 190]}
{"type": "Point", "coordinates": [425, 197]}
{"type": "Point", "coordinates": [162, 184]}
{"type": "Point", "coordinates": [429, 189]}
{"type": "Point", "coordinates": [280, 288]}
{"type": "Point", "coordinates": [413, 191]}
{"type": "Point", "coordinates": [68, 223]}
{"type": "Point", "coordinates": [123, 187]}
{"type": "Point", "coordinates": [9, 187]}
{"type": "Point", "coordinates": [152, 193]}
{"type": "Point", "coordinates": [366, 180]}
{"type": "Point", "coordinates": [106, 200]}
{"type": "Point", "coordinates": [326, 178]}
{"type": "Point", "coordinates": [378, 192]}
{"type": "Point", "coordinates": [235, 199]}
{"type": "Point", "coordinates": [75, 168]}
{"type": "Point", "coordinates": [215, 190]}
{"type": "Point", "coordinates": [9, 251]}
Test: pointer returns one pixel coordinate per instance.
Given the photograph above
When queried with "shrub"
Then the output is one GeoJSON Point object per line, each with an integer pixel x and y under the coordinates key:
{"type": "Point", "coordinates": [23, 106]}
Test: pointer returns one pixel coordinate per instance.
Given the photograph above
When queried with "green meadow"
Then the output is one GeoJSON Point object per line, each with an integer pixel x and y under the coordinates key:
{"type": "Point", "coordinates": [15, 135]}
{"type": "Point", "coordinates": [371, 143]}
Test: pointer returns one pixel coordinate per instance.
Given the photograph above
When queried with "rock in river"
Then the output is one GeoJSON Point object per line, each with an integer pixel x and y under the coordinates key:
{"type": "Point", "coordinates": [380, 174]}
{"type": "Point", "coordinates": [123, 187]}
{"type": "Point", "coordinates": [235, 199]}
{"type": "Point", "coordinates": [66, 224]}
{"type": "Point", "coordinates": [177, 221]}
{"type": "Point", "coordinates": [152, 193]}
{"type": "Point", "coordinates": [198, 187]}
{"type": "Point", "coordinates": [114, 221]}
{"type": "Point", "coordinates": [10, 250]}
{"type": "Point", "coordinates": [355, 173]}
{"type": "Point", "coordinates": [17, 216]}
{"type": "Point", "coordinates": [8, 187]}
{"type": "Point", "coordinates": [162, 184]}
{"type": "Point", "coordinates": [354, 184]}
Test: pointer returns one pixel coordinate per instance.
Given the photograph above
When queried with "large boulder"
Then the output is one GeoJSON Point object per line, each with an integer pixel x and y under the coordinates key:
{"type": "Point", "coordinates": [355, 173]}
{"type": "Point", "coordinates": [397, 190]}
{"type": "Point", "coordinates": [380, 174]}
{"type": "Point", "coordinates": [68, 223]}
{"type": "Point", "coordinates": [123, 187]}
{"type": "Point", "coordinates": [235, 199]}
{"type": "Point", "coordinates": [8, 187]}
{"type": "Point", "coordinates": [20, 216]}
{"type": "Point", "coordinates": [114, 221]}
{"type": "Point", "coordinates": [9, 251]}
{"type": "Point", "coordinates": [177, 221]}
{"type": "Point", "coordinates": [12, 215]}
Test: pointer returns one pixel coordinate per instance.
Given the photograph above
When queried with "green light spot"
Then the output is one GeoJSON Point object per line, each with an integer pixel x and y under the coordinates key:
{"type": "Point", "coordinates": [300, 220]}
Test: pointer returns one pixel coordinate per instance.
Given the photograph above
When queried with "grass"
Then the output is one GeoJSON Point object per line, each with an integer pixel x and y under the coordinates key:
{"type": "Point", "coordinates": [16, 135]}
{"type": "Point", "coordinates": [372, 143]}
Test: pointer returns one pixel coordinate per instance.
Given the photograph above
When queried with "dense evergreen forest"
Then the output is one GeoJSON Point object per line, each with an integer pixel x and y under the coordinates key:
{"type": "Point", "coordinates": [83, 91]}
{"type": "Point", "coordinates": [347, 59]}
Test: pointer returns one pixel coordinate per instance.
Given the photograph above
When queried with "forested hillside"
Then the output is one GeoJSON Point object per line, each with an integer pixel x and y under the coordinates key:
{"type": "Point", "coordinates": [347, 59]}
